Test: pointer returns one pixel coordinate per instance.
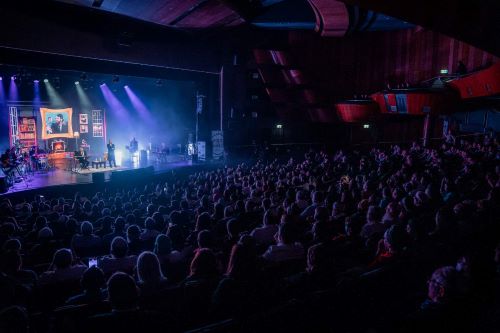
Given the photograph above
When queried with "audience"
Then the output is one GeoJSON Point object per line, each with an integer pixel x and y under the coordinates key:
{"type": "Point", "coordinates": [354, 234]}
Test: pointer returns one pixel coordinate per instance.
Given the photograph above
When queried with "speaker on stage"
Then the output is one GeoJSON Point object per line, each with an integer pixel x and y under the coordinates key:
{"type": "Point", "coordinates": [4, 185]}
{"type": "Point", "coordinates": [132, 176]}
{"type": "Point", "coordinates": [143, 158]}
{"type": "Point", "coordinates": [98, 178]}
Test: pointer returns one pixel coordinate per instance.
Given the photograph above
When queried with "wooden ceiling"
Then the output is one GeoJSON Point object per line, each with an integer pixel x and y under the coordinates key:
{"type": "Point", "coordinates": [475, 22]}
{"type": "Point", "coordinates": [196, 14]}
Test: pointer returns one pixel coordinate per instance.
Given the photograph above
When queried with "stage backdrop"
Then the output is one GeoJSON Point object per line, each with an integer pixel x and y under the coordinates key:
{"type": "Point", "coordinates": [56, 123]}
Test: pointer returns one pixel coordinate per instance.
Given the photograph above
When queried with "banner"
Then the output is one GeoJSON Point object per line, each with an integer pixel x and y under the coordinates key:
{"type": "Point", "coordinates": [56, 123]}
{"type": "Point", "coordinates": [199, 103]}
{"type": "Point", "coordinates": [217, 145]}
{"type": "Point", "coordinates": [201, 151]}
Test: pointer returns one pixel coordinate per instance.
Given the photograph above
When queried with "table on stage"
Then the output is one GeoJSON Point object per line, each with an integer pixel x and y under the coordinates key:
{"type": "Point", "coordinates": [98, 164]}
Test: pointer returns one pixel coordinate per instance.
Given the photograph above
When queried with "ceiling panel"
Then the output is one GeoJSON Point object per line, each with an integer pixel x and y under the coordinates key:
{"type": "Point", "coordinates": [181, 13]}
{"type": "Point", "coordinates": [211, 15]}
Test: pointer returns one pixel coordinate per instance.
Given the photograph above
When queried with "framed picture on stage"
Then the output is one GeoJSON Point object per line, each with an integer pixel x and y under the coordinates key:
{"type": "Point", "coordinates": [97, 124]}
{"type": "Point", "coordinates": [56, 123]}
{"type": "Point", "coordinates": [84, 128]}
{"type": "Point", "coordinates": [97, 130]}
{"type": "Point", "coordinates": [84, 119]}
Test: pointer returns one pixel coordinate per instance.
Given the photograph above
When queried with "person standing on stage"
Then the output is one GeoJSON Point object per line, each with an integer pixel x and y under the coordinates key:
{"type": "Point", "coordinates": [111, 154]}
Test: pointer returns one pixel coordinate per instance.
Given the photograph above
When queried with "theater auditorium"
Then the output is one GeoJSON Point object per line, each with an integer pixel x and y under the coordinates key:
{"type": "Point", "coordinates": [241, 166]}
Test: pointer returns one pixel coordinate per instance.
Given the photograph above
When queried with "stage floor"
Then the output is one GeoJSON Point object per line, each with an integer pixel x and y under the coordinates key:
{"type": "Point", "coordinates": [61, 176]}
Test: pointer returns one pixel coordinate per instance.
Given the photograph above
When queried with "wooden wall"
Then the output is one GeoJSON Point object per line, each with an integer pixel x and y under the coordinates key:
{"type": "Point", "coordinates": [365, 63]}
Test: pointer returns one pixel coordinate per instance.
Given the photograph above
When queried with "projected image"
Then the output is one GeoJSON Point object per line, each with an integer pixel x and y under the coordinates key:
{"type": "Point", "coordinates": [56, 123]}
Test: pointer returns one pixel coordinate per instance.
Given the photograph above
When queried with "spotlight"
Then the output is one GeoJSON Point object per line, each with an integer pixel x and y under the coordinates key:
{"type": "Point", "coordinates": [35, 81]}
{"type": "Point", "coordinates": [12, 78]}
{"type": "Point", "coordinates": [46, 80]}
{"type": "Point", "coordinates": [125, 86]}
{"type": "Point", "coordinates": [77, 83]}
{"type": "Point", "coordinates": [102, 84]}
{"type": "Point", "coordinates": [1, 78]}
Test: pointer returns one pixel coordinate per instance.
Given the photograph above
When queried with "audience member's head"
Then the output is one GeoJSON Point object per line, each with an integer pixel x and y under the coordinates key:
{"type": "Point", "coordinates": [148, 267]}
{"type": "Point", "coordinates": [92, 279]}
{"type": "Point", "coordinates": [286, 233]}
{"type": "Point", "coordinates": [86, 228]}
{"type": "Point", "coordinates": [442, 285]}
{"type": "Point", "coordinates": [163, 245]}
{"type": "Point", "coordinates": [243, 259]}
{"type": "Point", "coordinates": [133, 233]}
{"type": "Point", "coordinates": [319, 259]}
{"type": "Point", "coordinates": [123, 292]}
{"type": "Point", "coordinates": [14, 319]}
{"type": "Point", "coordinates": [63, 258]}
{"type": "Point", "coordinates": [119, 247]}
{"type": "Point", "coordinates": [204, 264]}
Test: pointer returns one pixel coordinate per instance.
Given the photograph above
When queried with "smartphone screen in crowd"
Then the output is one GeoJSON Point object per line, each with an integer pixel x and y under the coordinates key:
{"type": "Point", "coordinates": [92, 262]}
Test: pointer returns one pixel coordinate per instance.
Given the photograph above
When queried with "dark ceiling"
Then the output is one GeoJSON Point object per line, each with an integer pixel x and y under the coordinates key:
{"type": "Point", "coordinates": [474, 21]}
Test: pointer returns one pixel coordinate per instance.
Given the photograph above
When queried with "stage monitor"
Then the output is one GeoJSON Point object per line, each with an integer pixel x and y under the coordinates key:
{"type": "Point", "coordinates": [56, 123]}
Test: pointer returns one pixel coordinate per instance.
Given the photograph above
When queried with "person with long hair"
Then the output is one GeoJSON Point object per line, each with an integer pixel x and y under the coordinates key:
{"type": "Point", "coordinates": [238, 288]}
{"type": "Point", "coordinates": [150, 278]}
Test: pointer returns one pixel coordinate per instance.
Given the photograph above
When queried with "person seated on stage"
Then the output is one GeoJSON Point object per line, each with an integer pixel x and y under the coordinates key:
{"type": "Point", "coordinates": [81, 156]}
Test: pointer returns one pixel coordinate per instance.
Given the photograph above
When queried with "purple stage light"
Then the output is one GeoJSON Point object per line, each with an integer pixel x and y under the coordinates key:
{"type": "Point", "coordinates": [13, 93]}
{"type": "Point", "coordinates": [138, 104]}
{"type": "Point", "coordinates": [12, 78]}
{"type": "Point", "coordinates": [36, 94]}
{"type": "Point", "coordinates": [2, 92]}
{"type": "Point", "coordinates": [1, 78]}
{"type": "Point", "coordinates": [113, 102]}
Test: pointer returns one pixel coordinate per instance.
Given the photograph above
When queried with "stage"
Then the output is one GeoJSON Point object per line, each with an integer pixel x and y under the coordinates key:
{"type": "Point", "coordinates": [57, 177]}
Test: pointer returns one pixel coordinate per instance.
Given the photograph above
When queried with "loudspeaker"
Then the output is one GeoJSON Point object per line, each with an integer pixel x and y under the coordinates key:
{"type": "Point", "coordinates": [143, 158]}
{"type": "Point", "coordinates": [98, 178]}
{"type": "Point", "coordinates": [131, 176]}
{"type": "Point", "coordinates": [4, 186]}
